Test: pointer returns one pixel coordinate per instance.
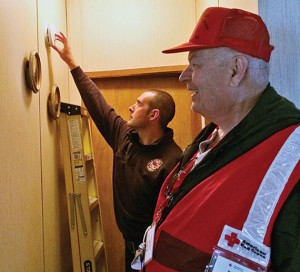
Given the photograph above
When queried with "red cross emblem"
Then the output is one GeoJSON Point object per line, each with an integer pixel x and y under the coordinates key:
{"type": "Point", "coordinates": [154, 165]}
{"type": "Point", "coordinates": [232, 239]}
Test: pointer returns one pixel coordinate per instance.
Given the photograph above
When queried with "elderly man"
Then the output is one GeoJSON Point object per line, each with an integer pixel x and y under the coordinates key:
{"type": "Point", "coordinates": [232, 204]}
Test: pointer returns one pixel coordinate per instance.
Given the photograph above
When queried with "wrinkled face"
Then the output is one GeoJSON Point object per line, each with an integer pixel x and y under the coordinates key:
{"type": "Point", "coordinates": [140, 111]}
{"type": "Point", "coordinates": [207, 79]}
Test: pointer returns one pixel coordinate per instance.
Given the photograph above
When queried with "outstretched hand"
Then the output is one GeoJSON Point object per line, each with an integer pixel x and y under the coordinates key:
{"type": "Point", "coordinates": [65, 51]}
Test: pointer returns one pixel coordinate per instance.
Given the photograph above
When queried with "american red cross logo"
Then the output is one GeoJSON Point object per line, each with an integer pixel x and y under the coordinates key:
{"type": "Point", "coordinates": [232, 239]}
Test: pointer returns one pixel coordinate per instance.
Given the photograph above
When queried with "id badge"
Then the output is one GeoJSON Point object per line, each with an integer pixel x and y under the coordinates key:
{"type": "Point", "coordinates": [149, 244]}
{"type": "Point", "coordinates": [145, 252]}
{"type": "Point", "coordinates": [223, 260]}
{"type": "Point", "coordinates": [238, 252]}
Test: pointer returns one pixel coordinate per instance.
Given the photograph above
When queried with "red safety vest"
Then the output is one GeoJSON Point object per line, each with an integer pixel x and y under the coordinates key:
{"type": "Point", "coordinates": [185, 239]}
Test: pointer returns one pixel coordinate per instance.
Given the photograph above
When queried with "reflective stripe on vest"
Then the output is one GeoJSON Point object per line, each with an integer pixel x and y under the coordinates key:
{"type": "Point", "coordinates": [249, 242]}
{"type": "Point", "coordinates": [269, 191]}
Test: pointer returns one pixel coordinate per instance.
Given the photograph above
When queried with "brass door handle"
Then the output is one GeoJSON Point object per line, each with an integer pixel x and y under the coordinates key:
{"type": "Point", "coordinates": [33, 72]}
{"type": "Point", "coordinates": [54, 102]}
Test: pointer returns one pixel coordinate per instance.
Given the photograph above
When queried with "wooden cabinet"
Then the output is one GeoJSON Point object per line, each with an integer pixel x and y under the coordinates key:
{"type": "Point", "coordinates": [20, 145]}
{"type": "Point", "coordinates": [34, 223]}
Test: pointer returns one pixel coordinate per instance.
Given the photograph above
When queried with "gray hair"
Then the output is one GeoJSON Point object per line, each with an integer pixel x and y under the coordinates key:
{"type": "Point", "coordinates": [258, 69]}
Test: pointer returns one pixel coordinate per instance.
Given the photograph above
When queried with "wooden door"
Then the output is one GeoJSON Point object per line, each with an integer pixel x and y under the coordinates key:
{"type": "Point", "coordinates": [21, 233]}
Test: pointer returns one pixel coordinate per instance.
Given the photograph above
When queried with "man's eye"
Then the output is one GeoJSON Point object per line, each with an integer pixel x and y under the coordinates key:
{"type": "Point", "coordinates": [195, 66]}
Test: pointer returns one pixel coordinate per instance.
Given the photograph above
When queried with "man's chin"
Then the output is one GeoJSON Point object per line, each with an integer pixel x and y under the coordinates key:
{"type": "Point", "coordinates": [129, 123]}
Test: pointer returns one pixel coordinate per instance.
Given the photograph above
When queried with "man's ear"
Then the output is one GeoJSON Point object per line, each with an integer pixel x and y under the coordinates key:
{"type": "Point", "coordinates": [238, 67]}
{"type": "Point", "coordinates": [154, 114]}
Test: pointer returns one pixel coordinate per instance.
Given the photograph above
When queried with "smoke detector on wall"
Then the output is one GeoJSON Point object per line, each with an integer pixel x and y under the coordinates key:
{"type": "Point", "coordinates": [50, 35]}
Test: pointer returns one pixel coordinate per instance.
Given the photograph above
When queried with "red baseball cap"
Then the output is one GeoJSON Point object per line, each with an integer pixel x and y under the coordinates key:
{"type": "Point", "coordinates": [237, 29]}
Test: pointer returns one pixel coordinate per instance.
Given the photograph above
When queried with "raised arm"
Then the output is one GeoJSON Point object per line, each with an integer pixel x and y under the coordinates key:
{"type": "Point", "coordinates": [110, 125]}
{"type": "Point", "coordinates": [65, 51]}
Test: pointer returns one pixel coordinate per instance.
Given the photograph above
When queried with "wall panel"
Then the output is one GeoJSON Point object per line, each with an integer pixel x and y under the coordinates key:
{"type": "Point", "coordinates": [251, 6]}
{"type": "Point", "coordinates": [57, 246]}
{"type": "Point", "coordinates": [34, 226]}
{"type": "Point", "coordinates": [123, 35]}
{"type": "Point", "coordinates": [21, 233]}
{"type": "Point", "coordinates": [283, 20]}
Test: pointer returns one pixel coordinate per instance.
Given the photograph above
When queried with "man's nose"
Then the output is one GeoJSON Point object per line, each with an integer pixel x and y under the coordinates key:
{"type": "Point", "coordinates": [185, 74]}
{"type": "Point", "coordinates": [131, 108]}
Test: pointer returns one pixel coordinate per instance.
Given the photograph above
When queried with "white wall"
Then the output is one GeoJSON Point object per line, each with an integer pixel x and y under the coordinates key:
{"type": "Point", "coordinates": [119, 35]}
{"type": "Point", "coordinates": [251, 6]}
{"type": "Point", "coordinates": [283, 20]}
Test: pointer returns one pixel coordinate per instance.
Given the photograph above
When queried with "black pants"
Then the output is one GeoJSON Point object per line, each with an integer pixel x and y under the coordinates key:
{"type": "Point", "coordinates": [130, 248]}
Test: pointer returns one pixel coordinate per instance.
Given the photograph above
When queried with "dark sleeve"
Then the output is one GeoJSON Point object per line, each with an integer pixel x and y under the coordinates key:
{"type": "Point", "coordinates": [285, 240]}
{"type": "Point", "coordinates": [110, 125]}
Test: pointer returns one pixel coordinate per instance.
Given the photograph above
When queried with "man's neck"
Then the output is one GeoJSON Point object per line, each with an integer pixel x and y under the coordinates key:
{"type": "Point", "coordinates": [236, 115]}
{"type": "Point", "coordinates": [148, 138]}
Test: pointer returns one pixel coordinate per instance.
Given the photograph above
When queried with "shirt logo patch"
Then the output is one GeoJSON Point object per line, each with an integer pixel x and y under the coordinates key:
{"type": "Point", "coordinates": [153, 165]}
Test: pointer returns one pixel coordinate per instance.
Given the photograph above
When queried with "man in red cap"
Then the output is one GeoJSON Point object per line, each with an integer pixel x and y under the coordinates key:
{"type": "Point", "coordinates": [232, 203]}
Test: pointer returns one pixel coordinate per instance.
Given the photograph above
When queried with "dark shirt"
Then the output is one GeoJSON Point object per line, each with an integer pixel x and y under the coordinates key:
{"type": "Point", "coordinates": [138, 170]}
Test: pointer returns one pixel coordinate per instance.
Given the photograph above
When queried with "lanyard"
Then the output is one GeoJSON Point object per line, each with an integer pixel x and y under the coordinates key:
{"type": "Point", "coordinates": [179, 175]}
{"type": "Point", "coordinates": [174, 183]}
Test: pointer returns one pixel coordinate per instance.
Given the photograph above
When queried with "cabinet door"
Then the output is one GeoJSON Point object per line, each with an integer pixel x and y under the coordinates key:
{"type": "Point", "coordinates": [57, 245]}
{"type": "Point", "coordinates": [21, 233]}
